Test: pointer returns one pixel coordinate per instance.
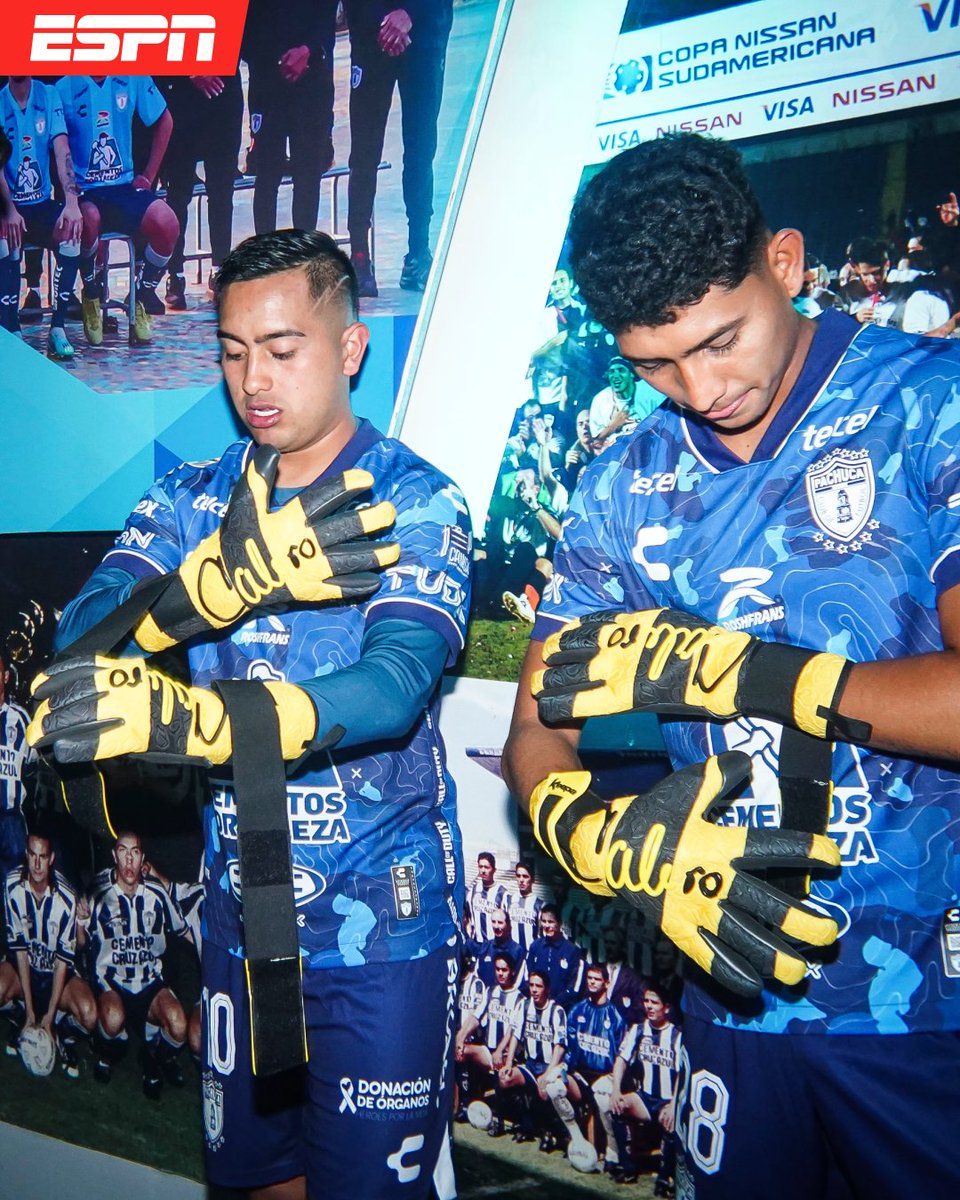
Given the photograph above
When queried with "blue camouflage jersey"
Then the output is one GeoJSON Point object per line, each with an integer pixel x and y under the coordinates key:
{"type": "Point", "coordinates": [31, 132]}
{"type": "Point", "coordinates": [99, 120]}
{"type": "Point", "coordinates": [376, 847]}
{"type": "Point", "coordinates": [838, 535]}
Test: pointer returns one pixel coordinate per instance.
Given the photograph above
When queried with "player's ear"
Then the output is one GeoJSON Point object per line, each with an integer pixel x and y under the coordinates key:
{"type": "Point", "coordinates": [353, 346]}
{"type": "Point", "coordinates": [785, 255]}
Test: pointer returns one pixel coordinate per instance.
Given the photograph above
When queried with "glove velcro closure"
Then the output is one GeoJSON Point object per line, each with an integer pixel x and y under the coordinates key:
{"type": "Point", "coordinates": [798, 687]}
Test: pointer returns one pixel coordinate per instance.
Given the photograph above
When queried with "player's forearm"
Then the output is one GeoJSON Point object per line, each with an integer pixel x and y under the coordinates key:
{"type": "Point", "coordinates": [162, 129]}
{"type": "Point", "coordinates": [534, 750]}
{"type": "Point", "coordinates": [64, 161]}
{"type": "Point", "coordinates": [381, 696]}
{"type": "Point", "coordinates": [105, 591]}
{"type": "Point", "coordinates": [911, 703]}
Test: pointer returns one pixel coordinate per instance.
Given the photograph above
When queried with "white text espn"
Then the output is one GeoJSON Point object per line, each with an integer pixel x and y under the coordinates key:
{"type": "Point", "coordinates": [119, 38]}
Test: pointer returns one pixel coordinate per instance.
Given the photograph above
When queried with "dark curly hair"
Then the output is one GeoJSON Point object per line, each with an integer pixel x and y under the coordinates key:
{"type": "Point", "coordinates": [659, 225]}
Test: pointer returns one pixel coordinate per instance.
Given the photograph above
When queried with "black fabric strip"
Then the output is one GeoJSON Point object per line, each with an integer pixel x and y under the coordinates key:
{"type": "Point", "coordinates": [266, 878]}
{"type": "Point", "coordinates": [806, 767]}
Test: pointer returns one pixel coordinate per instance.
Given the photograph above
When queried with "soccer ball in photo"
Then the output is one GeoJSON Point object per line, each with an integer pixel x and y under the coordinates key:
{"type": "Point", "coordinates": [37, 1050]}
{"type": "Point", "coordinates": [582, 1155]}
{"type": "Point", "coordinates": [479, 1114]}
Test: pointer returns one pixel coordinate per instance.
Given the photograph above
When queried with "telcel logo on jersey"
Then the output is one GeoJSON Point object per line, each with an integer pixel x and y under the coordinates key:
{"type": "Point", "coordinates": [169, 37]}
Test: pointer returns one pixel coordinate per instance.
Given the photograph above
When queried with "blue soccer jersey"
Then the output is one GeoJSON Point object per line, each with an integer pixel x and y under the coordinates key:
{"type": "Point", "coordinates": [43, 926]}
{"type": "Point", "coordinates": [594, 1033]}
{"type": "Point", "coordinates": [99, 120]}
{"type": "Point", "coordinates": [31, 131]}
{"type": "Point", "coordinates": [15, 756]}
{"type": "Point", "coordinates": [376, 847]}
{"type": "Point", "coordinates": [524, 912]}
{"type": "Point", "coordinates": [128, 933]}
{"type": "Point", "coordinates": [838, 535]}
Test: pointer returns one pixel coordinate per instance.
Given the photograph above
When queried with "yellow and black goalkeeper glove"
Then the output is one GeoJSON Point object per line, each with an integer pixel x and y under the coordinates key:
{"type": "Point", "coordinates": [97, 707]}
{"type": "Point", "coordinates": [689, 876]}
{"type": "Point", "coordinates": [258, 561]}
{"type": "Point", "coordinates": [667, 661]}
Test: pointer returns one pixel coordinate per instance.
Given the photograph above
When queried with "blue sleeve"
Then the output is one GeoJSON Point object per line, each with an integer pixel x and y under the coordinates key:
{"type": "Point", "coordinates": [105, 591]}
{"type": "Point", "coordinates": [380, 696]}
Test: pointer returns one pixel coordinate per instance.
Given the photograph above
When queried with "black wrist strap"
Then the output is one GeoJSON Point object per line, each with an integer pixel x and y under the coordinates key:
{"type": "Point", "coordinates": [806, 770]}
{"type": "Point", "coordinates": [271, 940]}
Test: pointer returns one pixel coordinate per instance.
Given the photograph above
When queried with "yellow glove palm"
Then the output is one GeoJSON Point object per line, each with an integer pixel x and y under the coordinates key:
{"type": "Point", "coordinates": [258, 560]}
{"type": "Point", "coordinates": [690, 876]}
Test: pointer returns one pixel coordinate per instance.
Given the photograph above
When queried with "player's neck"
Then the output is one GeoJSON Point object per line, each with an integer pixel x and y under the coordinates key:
{"type": "Point", "coordinates": [20, 90]}
{"type": "Point", "coordinates": [39, 892]}
{"type": "Point", "coordinates": [298, 468]}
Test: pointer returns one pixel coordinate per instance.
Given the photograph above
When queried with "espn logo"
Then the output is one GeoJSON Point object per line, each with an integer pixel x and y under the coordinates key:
{"type": "Point", "coordinates": [119, 39]}
{"type": "Point", "coordinates": [163, 37]}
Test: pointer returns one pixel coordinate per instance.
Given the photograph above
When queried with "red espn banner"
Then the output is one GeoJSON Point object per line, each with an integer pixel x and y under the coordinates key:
{"type": "Point", "coordinates": [120, 37]}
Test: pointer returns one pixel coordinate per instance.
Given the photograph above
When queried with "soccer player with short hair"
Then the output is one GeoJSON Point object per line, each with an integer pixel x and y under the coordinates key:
{"type": "Point", "coordinates": [524, 907]}
{"type": "Point", "coordinates": [560, 960]}
{"type": "Point", "coordinates": [539, 1037]}
{"type": "Point", "coordinates": [495, 1018]}
{"type": "Point", "coordinates": [485, 896]}
{"type": "Point", "coordinates": [645, 1084]}
{"type": "Point", "coordinates": [41, 925]}
{"type": "Point", "coordinates": [99, 112]}
{"type": "Point", "coordinates": [595, 1027]}
{"type": "Point", "coordinates": [502, 942]}
{"type": "Point", "coordinates": [353, 676]}
{"type": "Point", "coordinates": [771, 563]}
{"type": "Point", "coordinates": [131, 918]}
{"type": "Point", "coordinates": [32, 116]}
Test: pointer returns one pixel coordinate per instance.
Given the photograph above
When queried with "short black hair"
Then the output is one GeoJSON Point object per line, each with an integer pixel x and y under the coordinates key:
{"type": "Point", "coordinates": [659, 225]}
{"type": "Point", "coordinates": [489, 857]}
{"type": "Point", "coordinates": [868, 250]}
{"type": "Point", "coordinates": [527, 865]}
{"type": "Point", "coordinates": [329, 270]}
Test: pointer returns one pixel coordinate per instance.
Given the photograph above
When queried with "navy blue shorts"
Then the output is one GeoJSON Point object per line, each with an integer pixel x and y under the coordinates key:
{"type": "Point", "coordinates": [804, 1117]}
{"type": "Point", "coordinates": [41, 219]}
{"type": "Point", "coordinates": [122, 207]}
{"type": "Point", "coordinates": [370, 1114]}
{"type": "Point", "coordinates": [136, 1005]}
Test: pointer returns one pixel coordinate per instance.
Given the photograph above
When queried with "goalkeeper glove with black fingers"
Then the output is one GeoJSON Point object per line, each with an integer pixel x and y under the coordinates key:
{"type": "Point", "coordinates": [691, 877]}
{"type": "Point", "coordinates": [667, 661]}
{"type": "Point", "coordinates": [97, 707]}
{"type": "Point", "coordinates": [260, 560]}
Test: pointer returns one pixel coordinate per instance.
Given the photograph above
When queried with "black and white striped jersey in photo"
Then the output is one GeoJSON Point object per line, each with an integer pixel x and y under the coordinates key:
{"type": "Point", "coordinates": [15, 756]}
{"type": "Point", "coordinates": [483, 903]}
{"type": "Point", "coordinates": [45, 926]}
{"type": "Point", "coordinates": [653, 1056]}
{"type": "Point", "coordinates": [502, 1013]}
{"type": "Point", "coordinates": [128, 934]}
{"type": "Point", "coordinates": [541, 1030]}
{"type": "Point", "coordinates": [524, 914]}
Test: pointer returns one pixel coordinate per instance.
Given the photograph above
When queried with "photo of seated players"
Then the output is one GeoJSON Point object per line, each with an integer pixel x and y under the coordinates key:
{"type": "Point", "coordinates": [347, 118]}
{"type": "Point", "coordinates": [542, 1024]}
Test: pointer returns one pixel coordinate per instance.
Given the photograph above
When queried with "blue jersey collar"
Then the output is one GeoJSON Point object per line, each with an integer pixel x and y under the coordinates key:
{"type": "Point", "coordinates": [365, 437]}
{"type": "Point", "coordinates": [833, 334]}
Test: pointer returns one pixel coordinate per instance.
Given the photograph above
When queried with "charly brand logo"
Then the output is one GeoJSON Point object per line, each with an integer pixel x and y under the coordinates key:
{"type": "Point", "coordinates": [188, 37]}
